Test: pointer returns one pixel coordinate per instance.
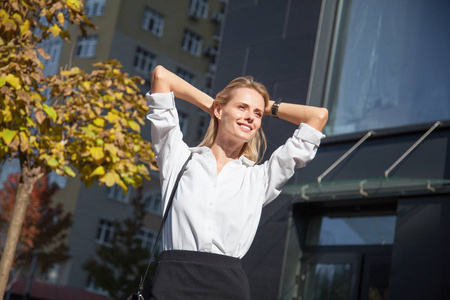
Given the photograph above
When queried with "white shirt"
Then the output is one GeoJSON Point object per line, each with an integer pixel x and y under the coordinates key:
{"type": "Point", "coordinates": [212, 212]}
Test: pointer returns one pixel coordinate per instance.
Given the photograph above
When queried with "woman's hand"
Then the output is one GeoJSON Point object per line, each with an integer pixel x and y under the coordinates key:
{"type": "Point", "coordinates": [164, 81]}
{"type": "Point", "coordinates": [315, 117]}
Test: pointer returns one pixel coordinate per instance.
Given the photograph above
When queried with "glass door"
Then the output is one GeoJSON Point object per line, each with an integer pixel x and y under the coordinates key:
{"type": "Point", "coordinates": [329, 276]}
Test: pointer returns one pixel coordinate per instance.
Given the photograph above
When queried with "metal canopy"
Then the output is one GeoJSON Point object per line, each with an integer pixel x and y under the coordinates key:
{"type": "Point", "coordinates": [367, 188]}
{"type": "Point", "coordinates": [370, 187]}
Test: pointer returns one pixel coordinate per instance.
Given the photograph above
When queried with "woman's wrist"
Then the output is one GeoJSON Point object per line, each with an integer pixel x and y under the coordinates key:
{"type": "Point", "coordinates": [274, 109]}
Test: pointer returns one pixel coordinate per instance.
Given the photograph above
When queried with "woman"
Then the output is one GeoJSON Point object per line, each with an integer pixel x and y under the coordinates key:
{"type": "Point", "coordinates": [218, 203]}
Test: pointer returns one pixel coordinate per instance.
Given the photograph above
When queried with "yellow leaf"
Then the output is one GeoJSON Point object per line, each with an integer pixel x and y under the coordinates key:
{"type": "Point", "coordinates": [74, 71]}
{"type": "Point", "coordinates": [109, 179]}
{"type": "Point", "coordinates": [61, 19]}
{"type": "Point", "coordinates": [13, 81]}
{"type": "Point", "coordinates": [99, 171]}
{"type": "Point", "coordinates": [9, 24]}
{"type": "Point", "coordinates": [69, 171]}
{"type": "Point", "coordinates": [87, 85]}
{"type": "Point", "coordinates": [119, 96]}
{"type": "Point", "coordinates": [129, 90]}
{"type": "Point", "coordinates": [8, 135]}
{"type": "Point", "coordinates": [73, 4]}
{"type": "Point", "coordinates": [2, 81]}
{"type": "Point", "coordinates": [17, 17]}
{"type": "Point", "coordinates": [24, 27]}
{"type": "Point", "coordinates": [112, 117]}
{"type": "Point", "coordinates": [55, 30]}
{"type": "Point", "coordinates": [120, 183]}
{"type": "Point", "coordinates": [99, 122]}
{"type": "Point", "coordinates": [97, 153]}
{"type": "Point", "coordinates": [134, 126]}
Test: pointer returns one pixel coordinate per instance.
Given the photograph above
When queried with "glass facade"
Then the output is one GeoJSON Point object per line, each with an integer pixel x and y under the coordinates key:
{"type": "Point", "coordinates": [364, 230]}
{"type": "Point", "coordinates": [390, 65]}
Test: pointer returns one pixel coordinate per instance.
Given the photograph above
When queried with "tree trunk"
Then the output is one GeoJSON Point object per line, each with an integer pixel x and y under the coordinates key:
{"type": "Point", "coordinates": [23, 195]}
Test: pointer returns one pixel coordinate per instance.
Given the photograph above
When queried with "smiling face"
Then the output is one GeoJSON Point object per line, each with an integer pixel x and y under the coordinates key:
{"type": "Point", "coordinates": [240, 118]}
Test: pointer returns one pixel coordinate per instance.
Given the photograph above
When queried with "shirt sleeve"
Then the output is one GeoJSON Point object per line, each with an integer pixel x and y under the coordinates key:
{"type": "Point", "coordinates": [167, 138]}
{"type": "Point", "coordinates": [298, 150]}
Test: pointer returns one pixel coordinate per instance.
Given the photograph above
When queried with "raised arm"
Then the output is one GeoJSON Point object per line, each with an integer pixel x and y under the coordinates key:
{"type": "Point", "coordinates": [315, 117]}
{"type": "Point", "coordinates": [164, 81]}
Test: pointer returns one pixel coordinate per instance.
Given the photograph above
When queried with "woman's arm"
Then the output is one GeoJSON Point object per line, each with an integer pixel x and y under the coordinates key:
{"type": "Point", "coordinates": [315, 117]}
{"type": "Point", "coordinates": [164, 81]}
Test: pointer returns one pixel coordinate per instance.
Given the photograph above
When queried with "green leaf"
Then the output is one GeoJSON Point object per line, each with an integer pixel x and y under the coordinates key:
{"type": "Point", "coordinates": [8, 135]}
{"type": "Point", "coordinates": [69, 171]}
{"type": "Point", "coordinates": [49, 111]}
{"type": "Point", "coordinates": [2, 81]}
{"type": "Point", "coordinates": [52, 162]}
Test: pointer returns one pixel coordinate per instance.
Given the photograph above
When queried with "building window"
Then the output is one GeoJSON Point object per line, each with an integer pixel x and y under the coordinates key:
{"type": "Point", "coordinates": [147, 238]}
{"type": "Point", "coordinates": [116, 193]}
{"type": "Point", "coordinates": [105, 232]}
{"type": "Point", "coordinates": [183, 118]}
{"type": "Point", "coordinates": [189, 77]}
{"type": "Point", "coordinates": [384, 53]}
{"type": "Point", "coordinates": [203, 124]}
{"type": "Point", "coordinates": [352, 230]}
{"type": "Point", "coordinates": [52, 274]}
{"type": "Point", "coordinates": [152, 202]}
{"type": "Point", "coordinates": [94, 7]}
{"type": "Point", "coordinates": [192, 43]}
{"type": "Point", "coordinates": [86, 47]}
{"type": "Point", "coordinates": [144, 61]}
{"type": "Point", "coordinates": [91, 286]}
{"type": "Point", "coordinates": [198, 8]}
{"type": "Point", "coordinates": [153, 22]}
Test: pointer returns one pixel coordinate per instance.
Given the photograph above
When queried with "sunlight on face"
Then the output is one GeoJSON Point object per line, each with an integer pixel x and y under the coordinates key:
{"type": "Point", "coordinates": [240, 118]}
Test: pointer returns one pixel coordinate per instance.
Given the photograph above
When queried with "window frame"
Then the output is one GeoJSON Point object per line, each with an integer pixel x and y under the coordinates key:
{"type": "Point", "coordinates": [98, 10]}
{"type": "Point", "coordinates": [158, 19]}
{"type": "Point", "coordinates": [105, 228]}
{"type": "Point", "coordinates": [86, 47]}
{"type": "Point", "coordinates": [155, 195]}
{"type": "Point", "coordinates": [198, 9]}
{"type": "Point", "coordinates": [192, 43]}
{"type": "Point", "coordinates": [143, 56]}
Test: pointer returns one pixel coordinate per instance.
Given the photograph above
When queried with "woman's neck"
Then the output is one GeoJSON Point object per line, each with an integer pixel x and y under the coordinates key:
{"type": "Point", "coordinates": [224, 153]}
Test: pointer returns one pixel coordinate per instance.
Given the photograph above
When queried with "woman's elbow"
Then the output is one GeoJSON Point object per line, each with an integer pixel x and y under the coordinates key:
{"type": "Point", "coordinates": [320, 119]}
{"type": "Point", "coordinates": [160, 80]}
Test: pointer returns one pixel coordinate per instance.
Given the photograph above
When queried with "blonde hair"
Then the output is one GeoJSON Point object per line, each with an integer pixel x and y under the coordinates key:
{"type": "Point", "coordinates": [256, 147]}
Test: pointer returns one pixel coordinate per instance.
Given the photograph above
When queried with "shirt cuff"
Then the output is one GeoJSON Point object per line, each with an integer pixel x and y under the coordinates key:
{"type": "Point", "coordinates": [309, 134]}
{"type": "Point", "coordinates": [160, 100]}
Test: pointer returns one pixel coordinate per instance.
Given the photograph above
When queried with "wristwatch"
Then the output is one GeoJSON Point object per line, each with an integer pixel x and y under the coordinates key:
{"type": "Point", "coordinates": [275, 106]}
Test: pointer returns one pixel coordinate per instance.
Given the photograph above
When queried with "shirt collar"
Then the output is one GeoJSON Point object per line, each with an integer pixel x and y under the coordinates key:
{"type": "Point", "coordinates": [242, 159]}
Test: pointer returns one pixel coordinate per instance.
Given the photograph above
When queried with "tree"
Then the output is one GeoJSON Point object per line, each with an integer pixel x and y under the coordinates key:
{"type": "Point", "coordinates": [44, 227]}
{"type": "Point", "coordinates": [118, 267]}
{"type": "Point", "coordinates": [90, 124]}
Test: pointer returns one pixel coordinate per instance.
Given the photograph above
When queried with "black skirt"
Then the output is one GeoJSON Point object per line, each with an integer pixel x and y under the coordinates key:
{"type": "Point", "coordinates": [199, 275]}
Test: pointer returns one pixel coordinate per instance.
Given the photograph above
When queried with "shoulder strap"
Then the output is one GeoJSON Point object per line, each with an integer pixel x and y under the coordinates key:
{"type": "Point", "coordinates": [166, 213]}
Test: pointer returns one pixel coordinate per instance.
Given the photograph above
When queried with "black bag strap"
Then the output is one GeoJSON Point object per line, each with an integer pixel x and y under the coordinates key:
{"type": "Point", "coordinates": [166, 213]}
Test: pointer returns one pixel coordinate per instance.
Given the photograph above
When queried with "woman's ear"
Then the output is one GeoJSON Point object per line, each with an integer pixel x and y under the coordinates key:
{"type": "Point", "coordinates": [217, 110]}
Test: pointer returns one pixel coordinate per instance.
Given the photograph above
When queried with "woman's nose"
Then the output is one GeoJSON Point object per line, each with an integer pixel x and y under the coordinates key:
{"type": "Point", "coordinates": [249, 116]}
